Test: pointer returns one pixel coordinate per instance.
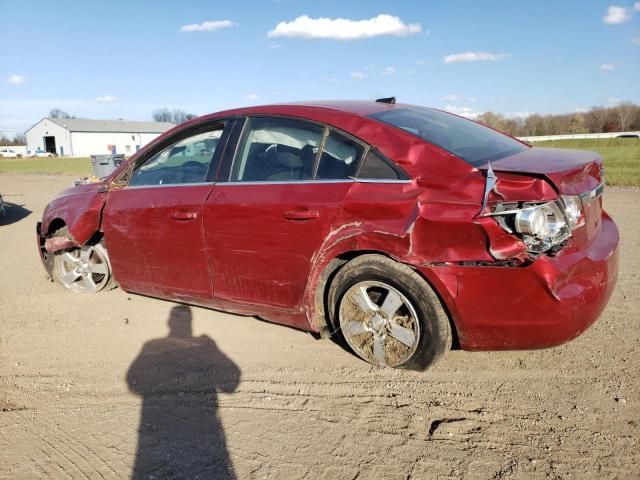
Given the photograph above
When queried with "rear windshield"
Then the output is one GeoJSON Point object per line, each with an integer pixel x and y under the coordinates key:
{"type": "Point", "coordinates": [472, 142]}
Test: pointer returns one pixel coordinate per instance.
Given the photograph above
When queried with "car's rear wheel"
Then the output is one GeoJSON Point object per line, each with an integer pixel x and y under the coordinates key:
{"type": "Point", "coordinates": [83, 270]}
{"type": "Point", "coordinates": [388, 315]}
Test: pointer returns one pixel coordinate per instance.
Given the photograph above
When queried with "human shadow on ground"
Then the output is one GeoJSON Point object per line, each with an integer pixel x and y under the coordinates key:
{"type": "Point", "coordinates": [178, 378]}
{"type": "Point", "coordinates": [13, 213]}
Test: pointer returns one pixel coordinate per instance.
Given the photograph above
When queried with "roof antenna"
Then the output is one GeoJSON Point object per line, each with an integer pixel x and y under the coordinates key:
{"type": "Point", "coordinates": [389, 100]}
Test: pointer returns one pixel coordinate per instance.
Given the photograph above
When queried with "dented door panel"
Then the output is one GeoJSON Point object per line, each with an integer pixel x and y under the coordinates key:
{"type": "Point", "coordinates": [154, 239]}
{"type": "Point", "coordinates": [261, 238]}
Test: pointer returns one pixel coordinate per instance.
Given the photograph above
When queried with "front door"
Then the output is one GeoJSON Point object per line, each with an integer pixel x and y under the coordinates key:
{"type": "Point", "coordinates": [265, 224]}
{"type": "Point", "coordinates": [50, 144]}
{"type": "Point", "coordinates": [153, 226]}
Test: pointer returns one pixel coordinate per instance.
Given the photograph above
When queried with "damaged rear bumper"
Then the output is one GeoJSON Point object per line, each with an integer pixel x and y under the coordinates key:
{"type": "Point", "coordinates": [546, 303]}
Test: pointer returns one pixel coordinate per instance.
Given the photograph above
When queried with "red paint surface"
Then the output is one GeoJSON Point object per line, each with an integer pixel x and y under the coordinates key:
{"type": "Point", "coordinates": [260, 249]}
{"type": "Point", "coordinates": [155, 243]}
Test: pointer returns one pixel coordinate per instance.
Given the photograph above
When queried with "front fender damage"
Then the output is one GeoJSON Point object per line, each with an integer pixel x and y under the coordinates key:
{"type": "Point", "coordinates": [81, 214]}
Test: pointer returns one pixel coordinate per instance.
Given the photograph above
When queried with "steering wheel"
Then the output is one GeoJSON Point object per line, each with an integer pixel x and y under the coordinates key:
{"type": "Point", "coordinates": [193, 170]}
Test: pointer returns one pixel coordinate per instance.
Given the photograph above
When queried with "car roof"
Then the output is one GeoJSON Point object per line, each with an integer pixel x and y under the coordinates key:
{"type": "Point", "coordinates": [354, 107]}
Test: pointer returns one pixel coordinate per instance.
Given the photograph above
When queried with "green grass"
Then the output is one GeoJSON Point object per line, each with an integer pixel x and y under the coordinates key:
{"type": "Point", "coordinates": [70, 166]}
{"type": "Point", "coordinates": [621, 157]}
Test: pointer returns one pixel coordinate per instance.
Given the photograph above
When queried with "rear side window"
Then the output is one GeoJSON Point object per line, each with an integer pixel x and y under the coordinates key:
{"type": "Point", "coordinates": [340, 158]}
{"type": "Point", "coordinates": [276, 149]}
{"type": "Point", "coordinates": [470, 141]}
{"type": "Point", "coordinates": [375, 167]}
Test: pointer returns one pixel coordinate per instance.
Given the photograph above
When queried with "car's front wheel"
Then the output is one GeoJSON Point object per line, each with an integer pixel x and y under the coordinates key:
{"type": "Point", "coordinates": [389, 315]}
{"type": "Point", "coordinates": [83, 270]}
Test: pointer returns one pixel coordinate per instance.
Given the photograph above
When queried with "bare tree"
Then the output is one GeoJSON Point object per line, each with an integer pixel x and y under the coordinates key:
{"type": "Point", "coordinates": [19, 139]}
{"type": "Point", "coordinates": [493, 120]}
{"type": "Point", "coordinates": [625, 113]}
{"type": "Point", "coordinates": [596, 119]}
{"type": "Point", "coordinates": [58, 113]}
{"type": "Point", "coordinates": [162, 115]}
{"type": "Point", "coordinates": [174, 116]}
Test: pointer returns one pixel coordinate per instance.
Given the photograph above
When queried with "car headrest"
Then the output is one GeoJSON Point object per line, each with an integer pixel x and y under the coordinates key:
{"type": "Point", "coordinates": [288, 159]}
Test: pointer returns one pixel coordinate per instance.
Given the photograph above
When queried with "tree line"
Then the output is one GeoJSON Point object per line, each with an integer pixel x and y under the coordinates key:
{"type": "Point", "coordinates": [621, 118]}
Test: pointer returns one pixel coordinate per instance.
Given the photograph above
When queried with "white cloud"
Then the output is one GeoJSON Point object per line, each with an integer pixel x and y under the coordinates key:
{"type": "Point", "coordinates": [636, 40]}
{"type": "Point", "coordinates": [15, 79]}
{"type": "Point", "coordinates": [388, 72]}
{"type": "Point", "coordinates": [607, 67]}
{"type": "Point", "coordinates": [274, 45]}
{"type": "Point", "coordinates": [344, 29]}
{"type": "Point", "coordinates": [253, 96]}
{"type": "Point", "coordinates": [209, 26]}
{"type": "Point", "coordinates": [409, 71]}
{"type": "Point", "coordinates": [330, 79]}
{"type": "Point", "coordinates": [452, 97]}
{"type": "Point", "coordinates": [106, 99]}
{"type": "Point", "coordinates": [357, 75]}
{"type": "Point", "coordinates": [475, 57]}
{"type": "Point", "coordinates": [580, 110]}
{"type": "Point", "coordinates": [420, 62]}
{"type": "Point", "coordinates": [613, 100]}
{"type": "Point", "coordinates": [462, 111]}
{"type": "Point", "coordinates": [616, 14]}
{"type": "Point", "coordinates": [636, 6]}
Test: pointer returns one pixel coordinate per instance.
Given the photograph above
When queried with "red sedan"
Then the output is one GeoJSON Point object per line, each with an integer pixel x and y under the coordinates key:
{"type": "Point", "coordinates": [399, 229]}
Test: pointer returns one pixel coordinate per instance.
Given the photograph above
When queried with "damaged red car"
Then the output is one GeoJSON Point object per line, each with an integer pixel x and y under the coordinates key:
{"type": "Point", "coordinates": [398, 229]}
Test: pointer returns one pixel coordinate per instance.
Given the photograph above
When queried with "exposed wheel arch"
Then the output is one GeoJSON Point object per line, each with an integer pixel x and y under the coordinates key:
{"type": "Point", "coordinates": [322, 316]}
{"type": "Point", "coordinates": [377, 270]}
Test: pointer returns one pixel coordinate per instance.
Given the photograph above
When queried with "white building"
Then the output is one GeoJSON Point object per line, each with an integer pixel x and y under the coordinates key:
{"type": "Point", "coordinates": [80, 137]}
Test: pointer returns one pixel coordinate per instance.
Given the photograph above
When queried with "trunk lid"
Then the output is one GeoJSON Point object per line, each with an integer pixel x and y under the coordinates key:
{"type": "Point", "coordinates": [573, 172]}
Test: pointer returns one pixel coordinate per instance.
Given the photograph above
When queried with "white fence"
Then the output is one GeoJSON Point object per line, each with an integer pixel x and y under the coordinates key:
{"type": "Point", "coordinates": [543, 138]}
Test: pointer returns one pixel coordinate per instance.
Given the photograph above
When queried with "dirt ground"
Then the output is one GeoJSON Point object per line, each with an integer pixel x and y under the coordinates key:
{"type": "Point", "coordinates": [77, 400]}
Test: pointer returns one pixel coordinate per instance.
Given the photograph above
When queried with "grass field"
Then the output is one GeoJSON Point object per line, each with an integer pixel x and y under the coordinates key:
{"type": "Point", "coordinates": [621, 159]}
{"type": "Point", "coordinates": [71, 166]}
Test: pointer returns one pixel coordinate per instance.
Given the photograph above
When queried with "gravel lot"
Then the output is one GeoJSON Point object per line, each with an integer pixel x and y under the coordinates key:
{"type": "Point", "coordinates": [78, 401]}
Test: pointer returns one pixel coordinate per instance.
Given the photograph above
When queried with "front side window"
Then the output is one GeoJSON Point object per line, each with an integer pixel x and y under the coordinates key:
{"type": "Point", "coordinates": [276, 149]}
{"type": "Point", "coordinates": [186, 161]}
{"type": "Point", "coordinates": [470, 141]}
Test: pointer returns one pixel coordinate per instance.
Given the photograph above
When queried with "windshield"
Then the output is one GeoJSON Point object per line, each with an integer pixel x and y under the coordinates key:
{"type": "Point", "coordinates": [472, 142]}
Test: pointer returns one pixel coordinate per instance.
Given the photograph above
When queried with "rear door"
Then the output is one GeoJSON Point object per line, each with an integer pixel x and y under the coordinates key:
{"type": "Point", "coordinates": [274, 206]}
{"type": "Point", "coordinates": [153, 226]}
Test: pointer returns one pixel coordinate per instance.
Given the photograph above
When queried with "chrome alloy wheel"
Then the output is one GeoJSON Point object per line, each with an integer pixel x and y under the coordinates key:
{"type": "Point", "coordinates": [85, 270]}
{"type": "Point", "coordinates": [379, 323]}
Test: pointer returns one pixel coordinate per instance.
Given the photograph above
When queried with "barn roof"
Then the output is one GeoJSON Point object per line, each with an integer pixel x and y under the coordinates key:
{"type": "Point", "coordinates": [125, 126]}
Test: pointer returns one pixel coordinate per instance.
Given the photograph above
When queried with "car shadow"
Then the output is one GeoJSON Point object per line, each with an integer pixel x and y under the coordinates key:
{"type": "Point", "coordinates": [179, 377]}
{"type": "Point", "coordinates": [13, 213]}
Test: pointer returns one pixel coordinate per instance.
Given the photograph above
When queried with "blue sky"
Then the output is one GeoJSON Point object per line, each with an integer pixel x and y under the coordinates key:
{"type": "Point", "coordinates": [122, 59]}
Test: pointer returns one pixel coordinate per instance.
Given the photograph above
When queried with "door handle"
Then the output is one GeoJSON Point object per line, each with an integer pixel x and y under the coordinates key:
{"type": "Point", "coordinates": [182, 216]}
{"type": "Point", "coordinates": [301, 214]}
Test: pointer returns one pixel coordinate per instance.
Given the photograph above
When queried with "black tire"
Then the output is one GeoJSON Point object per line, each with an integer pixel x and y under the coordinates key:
{"type": "Point", "coordinates": [433, 331]}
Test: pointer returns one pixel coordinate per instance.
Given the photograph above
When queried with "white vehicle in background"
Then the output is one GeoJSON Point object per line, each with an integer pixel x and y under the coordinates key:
{"type": "Point", "coordinates": [9, 152]}
{"type": "Point", "coordinates": [39, 153]}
